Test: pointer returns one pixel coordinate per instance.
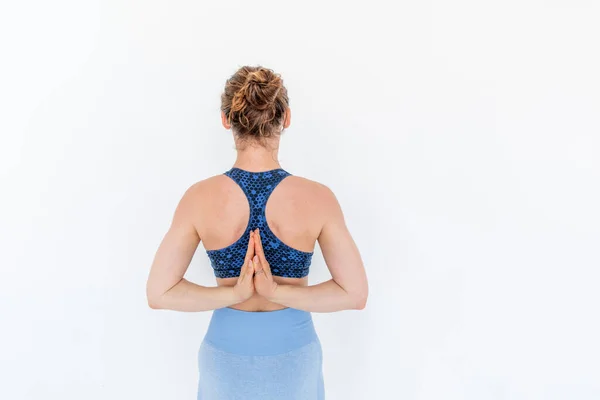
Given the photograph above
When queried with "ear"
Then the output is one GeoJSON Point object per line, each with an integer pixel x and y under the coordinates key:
{"type": "Point", "coordinates": [224, 121]}
{"type": "Point", "coordinates": [288, 118]}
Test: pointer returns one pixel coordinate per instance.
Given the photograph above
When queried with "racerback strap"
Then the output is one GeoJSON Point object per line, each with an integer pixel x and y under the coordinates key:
{"type": "Point", "coordinates": [257, 187]}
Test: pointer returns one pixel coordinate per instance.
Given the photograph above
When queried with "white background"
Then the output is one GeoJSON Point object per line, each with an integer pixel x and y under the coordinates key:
{"type": "Point", "coordinates": [461, 138]}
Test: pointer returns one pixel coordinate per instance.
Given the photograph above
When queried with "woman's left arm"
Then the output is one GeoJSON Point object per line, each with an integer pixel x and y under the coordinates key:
{"type": "Point", "coordinates": [168, 289]}
{"type": "Point", "coordinates": [348, 288]}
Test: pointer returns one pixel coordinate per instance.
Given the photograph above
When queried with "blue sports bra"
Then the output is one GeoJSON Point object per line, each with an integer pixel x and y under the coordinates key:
{"type": "Point", "coordinates": [283, 260]}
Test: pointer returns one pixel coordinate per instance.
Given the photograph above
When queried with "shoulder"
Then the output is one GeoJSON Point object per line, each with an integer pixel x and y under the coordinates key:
{"type": "Point", "coordinates": [202, 191]}
{"type": "Point", "coordinates": [201, 197]}
{"type": "Point", "coordinates": [206, 186]}
{"type": "Point", "coordinates": [318, 193]}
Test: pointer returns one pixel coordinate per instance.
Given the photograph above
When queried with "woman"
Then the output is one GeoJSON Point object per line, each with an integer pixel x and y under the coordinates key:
{"type": "Point", "coordinates": [259, 225]}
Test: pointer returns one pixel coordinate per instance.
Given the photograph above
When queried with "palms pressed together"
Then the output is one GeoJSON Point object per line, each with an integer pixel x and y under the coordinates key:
{"type": "Point", "coordinates": [255, 275]}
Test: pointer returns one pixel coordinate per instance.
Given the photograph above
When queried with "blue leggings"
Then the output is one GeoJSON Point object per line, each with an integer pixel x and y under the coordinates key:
{"type": "Point", "coordinates": [271, 355]}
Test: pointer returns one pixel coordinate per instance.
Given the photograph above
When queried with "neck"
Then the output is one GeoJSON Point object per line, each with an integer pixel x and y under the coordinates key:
{"type": "Point", "coordinates": [256, 158]}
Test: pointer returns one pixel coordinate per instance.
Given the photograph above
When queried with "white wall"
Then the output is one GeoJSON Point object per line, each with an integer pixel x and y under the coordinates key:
{"type": "Point", "coordinates": [462, 140]}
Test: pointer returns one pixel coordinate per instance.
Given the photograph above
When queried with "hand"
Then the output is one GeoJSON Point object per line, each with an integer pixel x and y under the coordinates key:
{"type": "Point", "coordinates": [263, 279]}
{"type": "Point", "coordinates": [244, 287]}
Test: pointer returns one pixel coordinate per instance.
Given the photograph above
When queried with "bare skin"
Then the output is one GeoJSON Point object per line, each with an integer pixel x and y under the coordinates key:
{"type": "Point", "coordinates": [300, 212]}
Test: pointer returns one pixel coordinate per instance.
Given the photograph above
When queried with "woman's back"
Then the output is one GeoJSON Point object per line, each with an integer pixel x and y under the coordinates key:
{"type": "Point", "coordinates": [295, 212]}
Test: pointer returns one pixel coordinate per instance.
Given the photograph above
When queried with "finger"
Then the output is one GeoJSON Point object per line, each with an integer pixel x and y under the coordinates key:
{"type": "Point", "coordinates": [250, 250]}
{"type": "Point", "coordinates": [259, 248]}
{"type": "Point", "coordinates": [261, 255]}
{"type": "Point", "coordinates": [259, 272]}
{"type": "Point", "coordinates": [248, 270]}
{"type": "Point", "coordinates": [242, 274]}
{"type": "Point", "coordinates": [250, 274]}
{"type": "Point", "coordinates": [251, 267]}
{"type": "Point", "coordinates": [257, 264]}
{"type": "Point", "coordinates": [264, 271]}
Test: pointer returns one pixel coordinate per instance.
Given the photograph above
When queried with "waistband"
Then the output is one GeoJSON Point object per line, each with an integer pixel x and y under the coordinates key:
{"type": "Point", "coordinates": [260, 333]}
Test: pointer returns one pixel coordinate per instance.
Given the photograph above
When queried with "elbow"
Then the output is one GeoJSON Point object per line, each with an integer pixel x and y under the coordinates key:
{"type": "Point", "coordinates": [359, 301]}
{"type": "Point", "coordinates": [154, 301]}
{"type": "Point", "coordinates": [361, 295]}
{"type": "Point", "coordinates": [153, 304]}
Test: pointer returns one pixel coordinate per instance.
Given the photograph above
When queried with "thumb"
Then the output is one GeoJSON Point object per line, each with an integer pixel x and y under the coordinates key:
{"type": "Point", "coordinates": [257, 264]}
{"type": "Point", "coordinates": [248, 270]}
{"type": "Point", "coordinates": [250, 275]}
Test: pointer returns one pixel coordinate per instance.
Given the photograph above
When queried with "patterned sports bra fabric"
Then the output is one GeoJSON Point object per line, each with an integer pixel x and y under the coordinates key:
{"type": "Point", "coordinates": [284, 260]}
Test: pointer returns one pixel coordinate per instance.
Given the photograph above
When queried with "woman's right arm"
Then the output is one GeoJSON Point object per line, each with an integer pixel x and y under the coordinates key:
{"type": "Point", "coordinates": [348, 287]}
{"type": "Point", "coordinates": [166, 287]}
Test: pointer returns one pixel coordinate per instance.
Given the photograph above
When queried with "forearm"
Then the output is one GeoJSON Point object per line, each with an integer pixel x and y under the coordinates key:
{"type": "Point", "coordinates": [325, 297]}
{"type": "Point", "coordinates": [187, 296]}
